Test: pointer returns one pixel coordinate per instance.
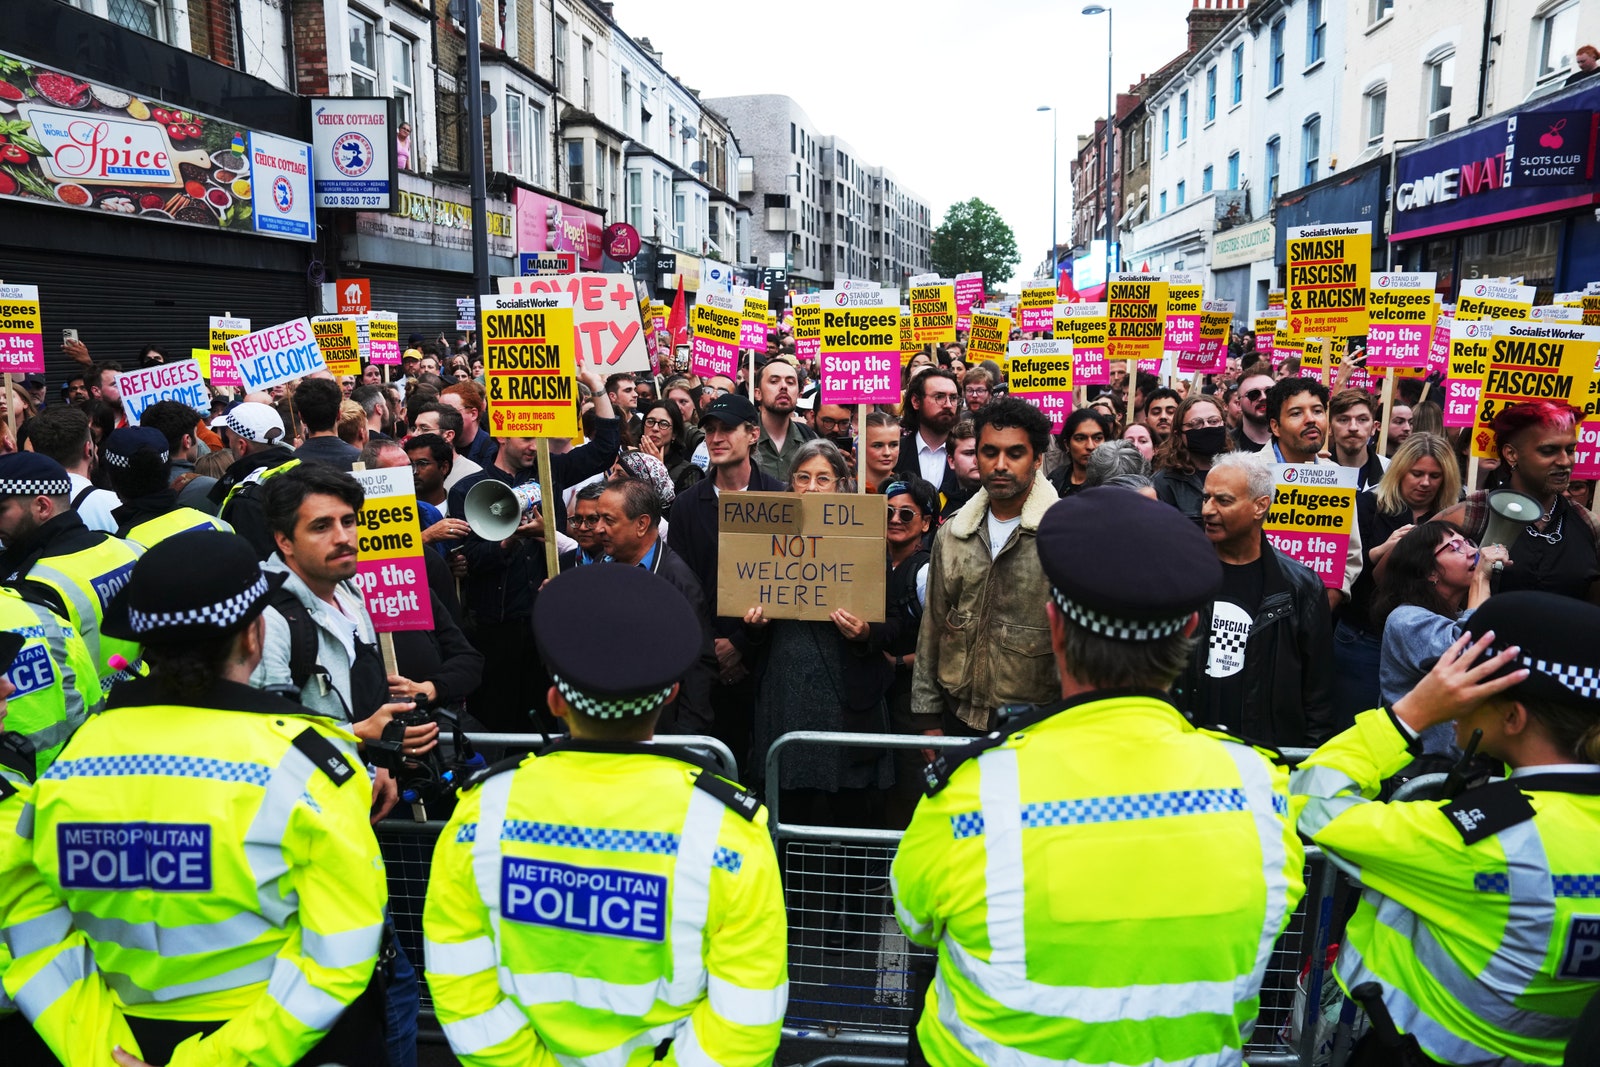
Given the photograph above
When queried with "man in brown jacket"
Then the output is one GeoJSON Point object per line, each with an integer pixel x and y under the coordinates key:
{"type": "Point", "coordinates": [985, 639]}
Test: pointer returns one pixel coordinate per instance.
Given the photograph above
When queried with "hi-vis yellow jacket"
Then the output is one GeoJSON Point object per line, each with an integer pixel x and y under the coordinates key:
{"type": "Point", "coordinates": [219, 865]}
{"type": "Point", "coordinates": [1104, 886]}
{"type": "Point", "coordinates": [589, 906]}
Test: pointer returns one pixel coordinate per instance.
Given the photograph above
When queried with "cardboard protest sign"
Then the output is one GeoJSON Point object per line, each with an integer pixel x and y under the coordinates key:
{"type": "Point", "coordinates": [1210, 354]}
{"type": "Point", "coordinates": [1036, 305]}
{"type": "Point", "coordinates": [1401, 315]}
{"type": "Point", "coordinates": [800, 556]}
{"type": "Point", "coordinates": [1085, 325]}
{"type": "Point", "coordinates": [276, 355]}
{"type": "Point", "coordinates": [1040, 372]}
{"type": "Point", "coordinates": [1185, 291]}
{"type": "Point", "coordinates": [390, 571]}
{"type": "Point", "coordinates": [933, 311]}
{"type": "Point", "coordinates": [988, 336]}
{"type": "Point", "coordinates": [21, 330]}
{"type": "Point", "coordinates": [1330, 266]}
{"type": "Point", "coordinates": [1313, 511]}
{"type": "Point", "coordinates": [1493, 300]}
{"type": "Point", "coordinates": [860, 354]}
{"type": "Point", "coordinates": [1137, 306]}
{"type": "Point", "coordinates": [807, 325]}
{"type": "Point", "coordinates": [1469, 363]}
{"type": "Point", "coordinates": [714, 337]}
{"type": "Point", "coordinates": [180, 381]}
{"type": "Point", "coordinates": [336, 336]}
{"type": "Point", "coordinates": [529, 365]}
{"type": "Point", "coordinates": [752, 317]}
{"type": "Point", "coordinates": [969, 294]}
{"type": "Point", "coordinates": [384, 338]}
{"type": "Point", "coordinates": [1536, 361]}
{"type": "Point", "coordinates": [609, 331]}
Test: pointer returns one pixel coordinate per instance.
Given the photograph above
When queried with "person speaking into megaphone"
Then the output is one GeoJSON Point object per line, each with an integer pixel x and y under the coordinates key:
{"type": "Point", "coordinates": [506, 568]}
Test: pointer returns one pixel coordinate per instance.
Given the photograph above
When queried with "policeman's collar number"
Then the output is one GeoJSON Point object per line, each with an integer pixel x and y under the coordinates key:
{"type": "Point", "coordinates": [163, 856]}
{"type": "Point", "coordinates": [590, 900]}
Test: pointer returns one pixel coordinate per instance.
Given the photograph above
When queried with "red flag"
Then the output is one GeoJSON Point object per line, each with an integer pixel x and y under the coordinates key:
{"type": "Point", "coordinates": [678, 319]}
{"type": "Point", "coordinates": [1066, 290]}
{"type": "Point", "coordinates": [1146, 268]}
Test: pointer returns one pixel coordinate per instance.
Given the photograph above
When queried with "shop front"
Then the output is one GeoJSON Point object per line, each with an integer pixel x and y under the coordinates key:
{"type": "Point", "coordinates": [1511, 196]}
{"type": "Point", "coordinates": [1354, 195]}
{"type": "Point", "coordinates": [547, 224]}
{"type": "Point", "coordinates": [1238, 255]}
{"type": "Point", "coordinates": [137, 214]}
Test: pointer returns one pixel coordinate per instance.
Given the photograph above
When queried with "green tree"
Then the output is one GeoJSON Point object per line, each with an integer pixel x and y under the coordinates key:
{"type": "Point", "coordinates": [972, 237]}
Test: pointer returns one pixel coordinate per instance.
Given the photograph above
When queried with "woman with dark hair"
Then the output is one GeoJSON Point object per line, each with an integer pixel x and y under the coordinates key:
{"type": "Point", "coordinates": [1200, 434]}
{"type": "Point", "coordinates": [913, 506]}
{"type": "Point", "coordinates": [1085, 430]}
{"type": "Point", "coordinates": [662, 435]}
{"type": "Point", "coordinates": [1436, 576]}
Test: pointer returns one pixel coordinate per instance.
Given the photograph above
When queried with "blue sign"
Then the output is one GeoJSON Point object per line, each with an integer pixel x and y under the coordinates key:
{"type": "Point", "coordinates": [1535, 160]}
{"type": "Point", "coordinates": [31, 671]}
{"type": "Point", "coordinates": [168, 857]}
{"type": "Point", "coordinates": [589, 900]}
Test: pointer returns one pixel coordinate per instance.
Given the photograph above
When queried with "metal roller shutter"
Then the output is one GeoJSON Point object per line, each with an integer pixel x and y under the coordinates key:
{"type": "Point", "coordinates": [424, 300]}
{"type": "Point", "coordinates": [119, 305]}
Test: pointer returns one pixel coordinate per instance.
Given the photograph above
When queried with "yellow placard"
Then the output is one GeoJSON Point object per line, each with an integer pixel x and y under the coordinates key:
{"type": "Point", "coordinates": [1035, 307]}
{"type": "Point", "coordinates": [908, 340]}
{"type": "Point", "coordinates": [1274, 299]}
{"type": "Point", "coordinates": [1539, 361]}
{"type": "Point", "coordinates": [530, 365]}
{"type": "Point", "coordinates": [1591, 309]}
{"type": "Point", "coordinates": [808, 322]}
{"type": "Point", "coordinates": [202, 356]}
{"type": "Point", "coordinates": [1330, 269]}
{"type": "Point", "coordinates": [988, 336]}
{"type": "Point", "coordinates": [336, 336]}
{"type": "Point", "coordinates": [1285, 344]}
{"type": "Point", "coordinates": [1313, 356]}
{"type": "Point", "coordinates": [1491, 300]}
{"type": "Point", "coordinates": [1312, 515]}
{"type": "Point", "coordinates": [1136, 304]}
{"type": "Point", "coordinates": [933, 313]}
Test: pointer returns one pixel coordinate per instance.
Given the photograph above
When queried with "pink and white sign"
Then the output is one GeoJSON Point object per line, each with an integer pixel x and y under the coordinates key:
{"type": "Point", "coordinates": [605, 317]}
{"type": "Point", "coordinates": [1210, 354]}
{"type": "Point", "coordinates": [1313, 511]}
{"type": "Point", "coordinates": [1185, 290]}
{"type": "Point", "coordinates": [1395, 344]}
{"type": "Point", "coordinates": [860, 351]}
{"type": "Point", "coordinates": [1586, 467]}
{"type": "Point", "coordinates": [969, 294]}
{"type": "Point", "coordinates": [225, 373]}
{"type": "Point", "coordinates": [548, 225]}
{"type": "Point", "coordinates": [383, 338]}
{"type": "Point", "coordinates": [1439, 345]}
{"type": "Point", "coordinates": [1469, 363]}
{"type": "Point", "coordinates": [1089, 325]}
{"type": "Point", "coordinates": [390, 571]}
{"type": "Point", "coordinates": [714, 336]}
{"type": "Point", "coordinates": [21, 335]}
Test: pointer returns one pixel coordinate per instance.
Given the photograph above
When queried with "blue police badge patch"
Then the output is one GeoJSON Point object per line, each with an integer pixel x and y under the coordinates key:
{"type": "Point", "coordinates": [165, 857]}
{"type": "Point", "coordinates": [31, 671]}
{"type": "Point", "coordinates": [1580, 960]}
{"type": "Point", "coordinates": [110, 583]}
{"type": "Point", "coordinates": [589, 900]}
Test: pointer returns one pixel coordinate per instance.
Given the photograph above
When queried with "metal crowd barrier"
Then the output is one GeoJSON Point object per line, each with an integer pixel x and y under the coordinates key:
{"type": "Point", "coordinates": [407, 847]}
{"type": "Point", "coordinates": [852, 972]}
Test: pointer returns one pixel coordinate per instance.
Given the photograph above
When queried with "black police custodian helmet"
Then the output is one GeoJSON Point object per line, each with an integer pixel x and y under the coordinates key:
{"type": "Point", "coordinates": [1557, 635]}
{"type": "Point", "coordinates": [1124, 566]}
{"type": "Point", "coordinates": [609, 666]}
{"type": "Point", "coordinates": [195, 586]}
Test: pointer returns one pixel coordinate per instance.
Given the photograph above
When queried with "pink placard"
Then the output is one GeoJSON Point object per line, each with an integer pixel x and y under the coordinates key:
{"type": "Point", "coordinates": [708, 357]}
{"type": "Point", "coordinates": [860, 377]}
{"type": "Point", "coordinates": [1325, 553]}
{"type": "Point", "coordinates": [1586, 467]}
{"type": "Point", "coordinates": [1183, 334]}
{"type": "Point", "coordinates": [390, 588]}
{"type": "Point", "coordinates": [225, 373]}
{"type": "Point", "coordinates": [753, 335]}
{"type": "Point", "coordinates": [1150, 366]}
{"type": "Point", "coordinates": [1264, 344]}
{"type": "Point", "coordinates": [22, 340]}
{"type": "Point", "coordinates": [383, 353]}
{"type": "Point", "coordinates": [1461, 402]}
{"type": "Point", "coordinates": [1034, 319]}
{"type": "Point", "coordinates": [1439, 346]}
{"type": "Point", "coordinates": [807, 347]}
{"type": "Point", "coordinates": [1089, 366]}
{"type": "Point", "coordinates": [969, 294]}
{"type": "Point", "coordinates": [1399, 345]}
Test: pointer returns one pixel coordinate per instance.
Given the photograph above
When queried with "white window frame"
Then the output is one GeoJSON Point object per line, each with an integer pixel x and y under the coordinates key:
{"type": "Point", "coordinates": [1274, 167]}
{"type": "Point", "coordinates": [559, 55]}
{"type": "Point", "coordinates": [586, 61]}
{"type": "Point", "coordinates": [635, 183]}
{"type": "Point", "coordinates": [1431, 114]}
{"type": "Point", "coordinates": [1277, 61]}
{"type": "Point", "coordinates": [516, 141]}
{"type": "Point", "coordinates": [163, 21]}
{"type": "Point", "coordinates": [1233, 170]}
{"type": "Point", "coordinates": [1310, 149]}
{"type": "Point", "coordinates": [1316, 32]}
{"type": "Point", "coordinates": [372, 74]}
{"type": "Point", "coordinates": [577, 190]}
{"type": "Point", "coordinates": [1540, 40]}
{"type": "Point", "coordinates": [404, 91]}
{"type": "Point", "coordinates": [534, 120]}
{"type": "Point", "coordinates": [1376, 100]}
{"type": "Point", "coordinates": [1208, 179]}
{"type": "Point", "coordinates": [508, 12]}
{"type": "Point", "coordinates": [1237, 71]}
{"type": "Point", "coordinates": [1379, 10]}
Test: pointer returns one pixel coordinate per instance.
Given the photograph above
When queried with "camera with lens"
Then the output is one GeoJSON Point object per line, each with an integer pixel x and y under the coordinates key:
{"type": "Point", "coordinates": [429, 777]}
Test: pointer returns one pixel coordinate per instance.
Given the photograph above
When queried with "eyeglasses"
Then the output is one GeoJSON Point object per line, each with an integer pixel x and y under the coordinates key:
{"type": "Point", "coordinates": [1459, 545]}
{"type": "Point", "coordinates": [977, 390]}
{"type": "Point", "coordinates": [1255, 394]}
{"type": "Point", "coordinates": [1204, 424]}
{"type": "Point", "coordinates": [582, 521]}
{"type": "Point", "coordinates": [658, 424]}
{"type": "Point", "coordinates": [820, 481]}
{"type": "Point", "coordinates": [906, 516]}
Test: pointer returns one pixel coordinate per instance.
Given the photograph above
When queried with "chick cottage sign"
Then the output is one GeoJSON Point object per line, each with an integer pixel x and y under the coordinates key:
{"type": "Point", "coordinates": [1535, 161]}
{"type": "Point", "coordinates": [353, 139]}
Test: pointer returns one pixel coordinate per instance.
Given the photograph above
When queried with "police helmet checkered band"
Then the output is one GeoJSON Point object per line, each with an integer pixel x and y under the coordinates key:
{"type": "Point", "coordinates": [220, 615]}
{"type": "Point", "coordinates": [1118, 629]}
{"type": "Point", "coordinates": [34, 487]}
{"type": "Point", "coordinates": [610, 707]}
{"type": "Point", "coordinates": [1584, 681]}
{"type": "Point", "coordinates": [117, 459]}
{"type": "Point", "coordinates": [238, 427]}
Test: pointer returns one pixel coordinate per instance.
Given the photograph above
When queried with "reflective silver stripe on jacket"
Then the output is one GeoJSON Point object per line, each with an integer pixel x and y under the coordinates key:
{"type": "Point", "coordinates": [55, 980]}
{"type": "Point", "coordinates": [485, 1030]}
{"type": "Point", "coordinates": [41, 931]}
{"type": "Point", "coordinates": [82, 605]}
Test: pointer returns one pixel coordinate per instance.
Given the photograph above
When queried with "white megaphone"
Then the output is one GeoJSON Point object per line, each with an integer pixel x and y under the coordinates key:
{"type": "Point", "coordinates": [494, 509]}
{"type": "Point", "coordinates": [1509, 511]}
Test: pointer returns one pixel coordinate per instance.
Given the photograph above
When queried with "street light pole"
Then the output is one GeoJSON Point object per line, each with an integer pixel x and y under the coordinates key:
{"type": "Point", "coordinates": [1055, 158]}
{"type": "Point", "coordinates": [1111, 265]}
{"type": "Point", "coordinates": [479, 175]}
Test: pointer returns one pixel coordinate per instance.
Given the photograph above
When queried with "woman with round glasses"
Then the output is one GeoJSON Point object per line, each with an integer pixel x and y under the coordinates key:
{"type": "Point", "coordinates": [662, 435]}
{"type": "Point", "coordinates": [1435, 576]}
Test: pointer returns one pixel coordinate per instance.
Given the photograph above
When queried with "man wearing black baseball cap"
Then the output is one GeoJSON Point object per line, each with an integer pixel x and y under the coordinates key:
{"type": "Point", "coordinates": [1031, 865]}
{"type": "Point", "coordinates": [732, 429]}
{"type": "Point", "coordinates": [1505, 875]}
{"type": "Point", "coordinates": [556, 873]}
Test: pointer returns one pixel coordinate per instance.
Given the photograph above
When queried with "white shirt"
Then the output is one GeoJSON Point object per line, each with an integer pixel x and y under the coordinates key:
{"type": "Point", "coordinates": [1000, 533]}
{"type": "Point", "coordinates": [931, 458]}
{"type": "Point", "coordinates": [94, 509]}
{"type": "Point", "coordinates": [459, 470]}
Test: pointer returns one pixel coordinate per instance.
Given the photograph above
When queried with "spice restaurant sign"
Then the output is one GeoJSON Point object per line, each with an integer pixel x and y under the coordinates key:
{"type": "Point", "coordinates": [430, 213]}
{"type": "Point", "coordinates": [93, 147]}
{"type": "Point", "coordinates": [1531, 162]}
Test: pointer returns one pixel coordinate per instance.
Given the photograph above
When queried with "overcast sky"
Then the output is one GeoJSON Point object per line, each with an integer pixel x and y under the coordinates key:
{"type": "Point", "coordinates": [942, 92]}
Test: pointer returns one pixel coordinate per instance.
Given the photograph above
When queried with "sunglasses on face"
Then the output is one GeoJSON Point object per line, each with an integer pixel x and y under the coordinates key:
{"type": "Point", "coordinates": [1255, 394]}
{"type": "Point", "coordinates": [907, 516]}
{"type": "Point", "coordinates": [1459, 545]}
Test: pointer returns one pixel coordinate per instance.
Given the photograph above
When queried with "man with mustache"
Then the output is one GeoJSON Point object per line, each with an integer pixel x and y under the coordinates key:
{"type": "Point", "coordinates": [1297, 416]}
{"type": "Point", "coordinates": [777, 389]}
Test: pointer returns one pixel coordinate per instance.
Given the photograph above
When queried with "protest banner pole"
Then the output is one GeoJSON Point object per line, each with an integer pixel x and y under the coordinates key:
{"type": "Point", "coordinates": [752, 381]}
{"type": "Point", "coordinates": [1133, 382]}
{"type": "Point", "coordinates": [1388, 406]}
{"type": "Point", "coordinates": [1472, 467]}
{"type": "Point", "coordinates": [11, 411]}
{"type": "Point", "coordinates": [547, 506]}
{"type": "Point", "coordinates": [861, 447]}
{"type": "Point", "coordinates": [1426, 385]}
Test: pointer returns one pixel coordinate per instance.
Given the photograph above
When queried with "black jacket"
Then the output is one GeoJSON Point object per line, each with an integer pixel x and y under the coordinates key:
{"type": "Point", "coordinates": [501, 583]}
{"type": "Point", "coordinates": [1182, 491]}
{"type": "Point", "coordinates": [442, 655]}
{"type": "Point", "coordinates": [692, 533]}
{"type": "Point", "coordinates": [330, 450]}
{"type": "Point", "coordinates": [1288, 661]}
{"type": "Point", "coordinates": [692, 712]}
{"type": "Point", "coordinates": [948, 486]}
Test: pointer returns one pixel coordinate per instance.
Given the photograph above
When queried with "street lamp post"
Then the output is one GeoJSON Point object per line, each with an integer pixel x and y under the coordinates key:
{"type": "Point", "coordinates": [1111, 265]}
{"type": "Point", "coordinates": [1055, 156]}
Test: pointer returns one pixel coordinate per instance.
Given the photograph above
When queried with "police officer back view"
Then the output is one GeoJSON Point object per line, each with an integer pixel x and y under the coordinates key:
{"type": "Point", "coordinates": [605, 897]}
{"type": "Point", "coordinates": [139, 462]}
{"type": "Point", "coordinates": [1103, 881]}
{"type": "Point", "coordinates": [210, 842]}
{"type": "Point", "coordinates": [1480, 921]}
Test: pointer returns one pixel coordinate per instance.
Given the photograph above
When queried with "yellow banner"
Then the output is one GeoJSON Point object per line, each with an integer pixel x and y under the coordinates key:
{"type": "Point", "coordinates": [933, 313]}
{"type": "Point", "coordinates": [1591, 309]}
{"type": "Point", "coordinates": [336, 336]}
{"type": "Point", "coordinates": [1491, 300]}
{"type": "Point", "coordinates": [530, 365]}
{"type": "Point", "coordinates": [1330, 269]}
{"type": "Point", "coordinates": [1137, 307]}
{"type": "Point", "coordinates": [908, 339]}
{"type": "Point", "coordinates": [988, 336]}
{"type": "Point", "coordinates": [1545, 361]}
{"type": "Point", "coordinates": [202, 356]}
{"type": "Point", "coordinates": [808, 322]}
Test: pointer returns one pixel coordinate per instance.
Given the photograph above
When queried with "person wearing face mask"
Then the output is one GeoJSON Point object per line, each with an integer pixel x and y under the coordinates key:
{"type": "Point", "coordinates": [1183, 459]}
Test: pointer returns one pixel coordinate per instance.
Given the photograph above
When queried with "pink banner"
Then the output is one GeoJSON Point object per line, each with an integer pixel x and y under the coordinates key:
{"type": "Point", "coordinates": [1325, 553]}
{"type": "Point", "coordinates": [1183, 334]}
{"type": "Point", "coordinates": [1089, 366]}
{"type": "Point", "coordinates": [21, 339]}
{"type": "Point", "coordinates": [548, 225]}
{"type": "Point", "coordinates": [390, 588]}
{"type": "Point", "coordinates": [807, 347]}
{"type": "Point", "coordinates": [753, 335]}
{"type": "Point", "coordinates": [1264, 343]}
{"type": "Point", "coordinates": [1033, 319]}
{"type": "Point", "coordinates": [708, 357]}
{"type": "Point", "coordinates": [1150, 366]}
{"type": "Point", "coordinates": [969, 294]}
{"type": "Point", "coordinates": [1461, 402]}
{"type": "Point", "coordinates": [1586, 467]}
{"type": "Point", "coordinates": [1399, 345]}
{"type": "Point", "coordinates": [1439, 346]}
{"type": "Point", "coordinates": [225, 373]}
